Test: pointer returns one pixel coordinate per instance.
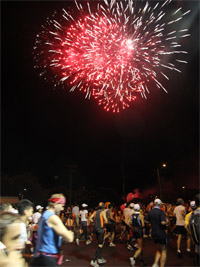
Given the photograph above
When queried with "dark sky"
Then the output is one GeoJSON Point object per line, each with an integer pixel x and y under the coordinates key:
{"type": "Point", "coordinates": [44, 131]}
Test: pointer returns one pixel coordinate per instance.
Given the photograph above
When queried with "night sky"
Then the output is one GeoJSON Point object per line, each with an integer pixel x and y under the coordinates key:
{"type": "Point", "coordinates": [44, 131]}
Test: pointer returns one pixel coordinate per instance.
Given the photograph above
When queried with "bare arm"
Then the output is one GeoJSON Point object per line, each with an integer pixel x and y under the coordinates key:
{"type": "Point", "coordinates": [112, 216]}
{"type": "Point", "coordinates": [86, 216]}
{"type": "Point", "coordinates": [56, 224]}
{"type": "Point", "coordinates": [92, 216]}
{"type": "Point", "coordinates": [141, 217]}
{"type": "Point", "coordinates": [128, 221]}
{"type": "Point", "coordinates": [183, 213]}
{"type": "Point", "coordinates": [104, 216]}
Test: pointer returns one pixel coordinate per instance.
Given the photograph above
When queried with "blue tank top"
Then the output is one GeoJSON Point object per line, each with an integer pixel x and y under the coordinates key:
{"type": "Point", "coordinates": [48, 241]}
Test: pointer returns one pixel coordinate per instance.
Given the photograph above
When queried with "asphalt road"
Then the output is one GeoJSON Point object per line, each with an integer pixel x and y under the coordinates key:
{"type": "Point", "coordinates": [119, 256]}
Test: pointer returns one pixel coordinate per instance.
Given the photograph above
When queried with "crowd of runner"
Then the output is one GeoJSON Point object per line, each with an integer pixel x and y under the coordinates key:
{"type": "Point", "coordinates": [36, 239]}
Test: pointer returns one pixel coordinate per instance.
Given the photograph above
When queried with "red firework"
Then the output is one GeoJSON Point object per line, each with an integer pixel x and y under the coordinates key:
{"type": "Point", "coordinates": [105, 54]}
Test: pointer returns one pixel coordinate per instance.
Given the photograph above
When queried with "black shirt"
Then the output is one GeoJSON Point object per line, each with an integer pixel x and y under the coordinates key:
{"type": "Point", "coordinates": [155, 217]}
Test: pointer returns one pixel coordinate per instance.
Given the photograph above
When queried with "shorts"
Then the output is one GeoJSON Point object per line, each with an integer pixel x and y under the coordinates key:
{"type": "Point", "coordinates": [138, 234]}
{"type": "Point", "coordinates": [127, 226]}
{"type": "Point", "coordinates": [123, 223]}
{"type": "Point", "coordinates": [180, 230]}
{"type": "Point", "coordinates": [110, 228]}
{"type": "Point", "coordinates": [162, 241]}
{"type": "Point", "coordinates": [44, 261]}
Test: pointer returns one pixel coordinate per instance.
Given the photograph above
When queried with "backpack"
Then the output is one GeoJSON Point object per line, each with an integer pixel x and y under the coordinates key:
{"type": "Point", "coordinates": [195, 226]}
{"type": "Point", "coordinates": [136, 224]}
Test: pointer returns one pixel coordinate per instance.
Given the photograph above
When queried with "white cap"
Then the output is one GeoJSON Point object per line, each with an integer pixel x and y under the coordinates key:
{"type": "Point", "coordinates": [132, 205]}
{"type": "Point", "coordinates": [38, 207]}
{"type": "Point", "coordinates": [157, 201]}
{"type": "Point", "coordinates": [136, 207]}
{"type": "Point", "coordinates": [192, 203]}
{"type": "Point", "coordinates": [84, 205]}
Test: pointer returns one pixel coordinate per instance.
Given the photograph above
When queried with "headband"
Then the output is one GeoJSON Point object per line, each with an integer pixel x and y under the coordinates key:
{"type": "Point", "coordinates": [57, 200]}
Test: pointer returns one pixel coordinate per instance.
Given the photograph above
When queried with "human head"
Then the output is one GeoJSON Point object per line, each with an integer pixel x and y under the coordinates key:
{"type": "Point", "coordinates": [136, 207]}
{"type": "Point", "coordinates": [39, 208]}
{"type": "Point", "coordinates": [84, 205]}
{"type": "Point", "coordinates": [106, 204]}
{"type": "Point", "coordinates": [193, 205]}
{"type": "Point", "coordinates": [197, 200]}
{"type": "Point", "coordinates": [122, 207]}
{"type": "Point", "coordinates": [57, 202]}
{"type": "Point", "coordinates": [180, 201]}
{"type": "Point", "coordinates": [5, 207]}
{"type": "Point", "coordinates": [101, 205]}
{"type": "Point", "coordinates": [25, 207]}
{"type": "Point", "coordinates": [157, 202]}
{"type": "Point", "coordinates": [10, 231]}
{"type": "Point", "coordinates": [131, 205]}
{"type": "Point", "coordinates": [151, 204]}
{"type": "Point", "coordinates": [109, 206]}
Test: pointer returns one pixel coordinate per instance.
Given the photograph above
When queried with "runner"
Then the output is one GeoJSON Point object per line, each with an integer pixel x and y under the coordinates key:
{"type": "Point", "coordinates": [84, 220]}
{"type": "Point", "coordinates": [137, 224]}
{"type": "Point", "coordinates": [179, 212]}
{"type": "Point", "coordinates": [110, 225]}
{"type": "Point", "coordinates": [10, 243]}
{"type": "Point", "coordinates": [158, 223]}
{"type": "Point", "coordinates": [50, 231]}
{"type": "Point", "coordinates": [99, 220]}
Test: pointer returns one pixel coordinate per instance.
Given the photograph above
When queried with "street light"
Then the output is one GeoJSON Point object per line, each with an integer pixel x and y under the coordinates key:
{"type": "Point", "coordinates": [72, 167]}
{"type": "Point", "coordinates": [164, 165]}
{"type": "Point", "coordinates": [22, 193]}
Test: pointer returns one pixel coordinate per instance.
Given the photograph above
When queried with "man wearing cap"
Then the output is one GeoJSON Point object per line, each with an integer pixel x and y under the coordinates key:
{"type": "Point", "coordinates": [157, 219]}
{"type": "Point", "coordinates": [83, 213]}
{"type": "Point", "coordinates": [50, 231]}
{"type": "Point", "coordinates": [99, 220]}
{"type": "Point", "coordinates": [194, 224]}
{"type": "Point", "coordinates": [137, 224]}
{"type": "Point", "coordinates": [194, 228]}
{"type": "Point", "coordinates": [37, 214]}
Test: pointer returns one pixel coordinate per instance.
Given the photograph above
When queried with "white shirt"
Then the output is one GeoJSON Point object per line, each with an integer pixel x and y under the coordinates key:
{"type": "Point", "coordinates": [36, 217]}
{"type": "Point", "coordinates": [83, 215]}
{"type": "Point", "coordinates": [23, 235]}
{"type": "Point", "coordinates": [180, 219]}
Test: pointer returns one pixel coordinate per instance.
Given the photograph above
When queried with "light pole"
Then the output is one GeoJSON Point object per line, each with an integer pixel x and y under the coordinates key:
{"type": "Point", "coordinates": [164, 165]}
{"type": "Point", "coordinates": [22, 193]}
{"type": "Point", "coordinates": [71, 167]}
{"type": "Point", "coordinates": [122, 171]}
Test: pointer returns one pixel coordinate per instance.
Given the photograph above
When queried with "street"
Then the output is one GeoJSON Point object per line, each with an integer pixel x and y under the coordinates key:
{"type": "Point", "coordinates": [119, 256]}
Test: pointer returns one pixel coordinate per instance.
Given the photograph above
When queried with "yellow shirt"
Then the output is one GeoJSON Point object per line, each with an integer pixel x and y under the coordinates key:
{"type": "Point", "coordinates": [187, 218]}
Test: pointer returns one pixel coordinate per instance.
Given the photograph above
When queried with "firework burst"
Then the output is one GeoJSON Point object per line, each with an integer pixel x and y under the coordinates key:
{"type": "Point", "coordinates": [112, 51]}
